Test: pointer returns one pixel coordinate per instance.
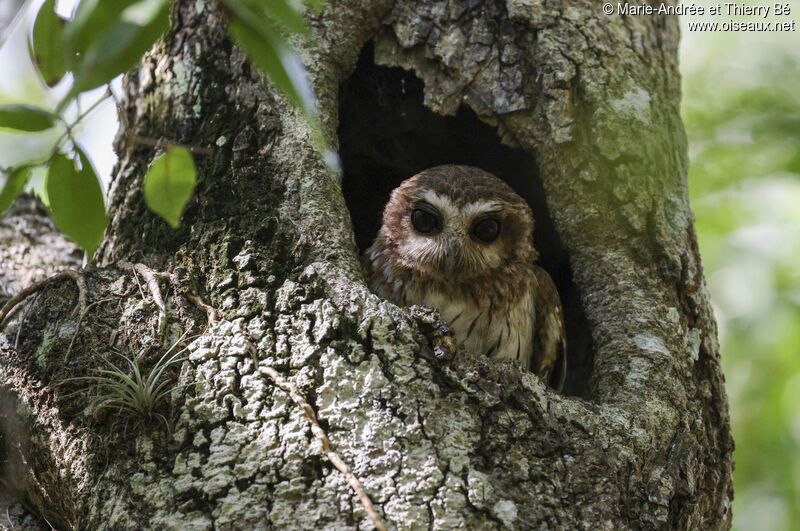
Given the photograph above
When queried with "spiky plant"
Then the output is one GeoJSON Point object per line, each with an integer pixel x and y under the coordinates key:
{"type": "Point", "coordinates": [131, 392]}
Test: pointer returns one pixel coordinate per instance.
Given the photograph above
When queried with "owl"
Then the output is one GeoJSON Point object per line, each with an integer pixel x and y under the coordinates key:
{"type": "Point", "coordinates": [459, 240]}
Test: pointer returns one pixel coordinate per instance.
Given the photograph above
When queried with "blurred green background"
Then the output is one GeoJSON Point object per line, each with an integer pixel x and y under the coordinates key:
{"type": "Point", "coordinates": [741, 108]}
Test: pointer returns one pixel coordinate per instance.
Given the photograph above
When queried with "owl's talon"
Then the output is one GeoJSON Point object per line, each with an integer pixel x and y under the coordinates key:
{"type": "Point", "coordinates": [444, 344]}
{"type": "Point", "coordinates": [442, 354]}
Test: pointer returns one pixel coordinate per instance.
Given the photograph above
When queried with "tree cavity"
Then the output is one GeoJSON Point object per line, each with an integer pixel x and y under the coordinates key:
{"type": "Point", "coordinates": [386, 135]}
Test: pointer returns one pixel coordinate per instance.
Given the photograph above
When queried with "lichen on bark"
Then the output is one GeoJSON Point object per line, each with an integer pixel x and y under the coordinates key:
{"type": "Point", "coordinates": [268, 241]}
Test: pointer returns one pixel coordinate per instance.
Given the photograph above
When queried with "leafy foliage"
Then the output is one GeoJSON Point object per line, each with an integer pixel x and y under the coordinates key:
{"type": "Point", "coordinates": [169, 184]}
{"type": "Point", "coordinates": [256, 27]}
{"type": "Point", "coordinates": [107, 38]}
{"type": "Point", "coordinates": [258, 35]}
{"type": "Point", "coordinates": [25, 118]}
{"type": "Point", "coordinates": [47, 44]}
{"type": "Point", "coordinates": [11, 185]}
{"type": "Point", "coordinates": [76, 200]}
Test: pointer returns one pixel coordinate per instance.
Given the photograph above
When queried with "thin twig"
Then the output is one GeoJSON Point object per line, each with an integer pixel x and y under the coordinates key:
{"type": "Point", "coordinates": [33, 288]}
{"type": "Point", "coordinates": [151, 280]}
{"type": "Point", "coordinates": [291, 389]}
{"type": "Point", "coordinates": [81, 116]}
{"type": "Point", "coordinates": [122, 116]}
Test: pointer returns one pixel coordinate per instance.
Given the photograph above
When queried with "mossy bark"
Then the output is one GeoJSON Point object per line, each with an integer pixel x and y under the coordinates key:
{"type": "Point", "coordinates": [268, 241]}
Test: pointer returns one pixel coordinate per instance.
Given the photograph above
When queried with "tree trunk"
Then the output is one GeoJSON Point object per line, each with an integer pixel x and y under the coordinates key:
{"type": "Point", "coordinates": [577, 110]}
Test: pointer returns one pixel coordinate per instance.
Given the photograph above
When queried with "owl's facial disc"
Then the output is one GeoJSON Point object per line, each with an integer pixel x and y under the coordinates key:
{"type": "Point", "coordinates": [451, 240]}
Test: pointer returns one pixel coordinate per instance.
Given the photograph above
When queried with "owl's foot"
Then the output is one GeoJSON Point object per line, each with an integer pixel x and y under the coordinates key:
{"type": "Point", "coordinates": [444, 344]}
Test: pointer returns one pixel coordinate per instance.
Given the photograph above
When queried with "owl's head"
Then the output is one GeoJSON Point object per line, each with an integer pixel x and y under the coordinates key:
{"type": "Point", "coordinates": [457, 222]}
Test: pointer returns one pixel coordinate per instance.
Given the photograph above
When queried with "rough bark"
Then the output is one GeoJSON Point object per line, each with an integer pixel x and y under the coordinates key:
{"type": "Point", "coordinates": [268, 241]}
{"type": "Point", "coordinates": [31, 250]}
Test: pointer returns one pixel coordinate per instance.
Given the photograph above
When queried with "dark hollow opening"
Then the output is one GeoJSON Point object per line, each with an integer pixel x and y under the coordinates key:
{"type": "Point", "coordinates": [386, 135]}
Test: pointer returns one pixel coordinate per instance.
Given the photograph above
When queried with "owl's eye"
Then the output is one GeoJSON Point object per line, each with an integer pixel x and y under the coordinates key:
{"type": "Point", "coordinates": [486, 230]}
{"type": "Point", "coordinates": [425, 221]}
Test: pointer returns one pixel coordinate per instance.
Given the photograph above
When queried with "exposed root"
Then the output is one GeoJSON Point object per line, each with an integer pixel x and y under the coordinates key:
{"type": "Point", "coordinates": [151, 279]}
{"type": "Point", "coordinates": [33, 288]}
{"type": "Point", "coordinates": [291, 389]}
{"type": "Point", "coordinates": [212, 314]}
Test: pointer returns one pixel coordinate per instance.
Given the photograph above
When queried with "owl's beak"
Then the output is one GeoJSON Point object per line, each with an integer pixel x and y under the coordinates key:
{"type": "Point", "coordinates": [449, 265]}
{"type": "Point", "coordinates": [452, 258]}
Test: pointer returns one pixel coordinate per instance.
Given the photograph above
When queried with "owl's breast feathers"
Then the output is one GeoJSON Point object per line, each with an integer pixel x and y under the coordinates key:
{"type": "Point", "coordinates": [512, 315]}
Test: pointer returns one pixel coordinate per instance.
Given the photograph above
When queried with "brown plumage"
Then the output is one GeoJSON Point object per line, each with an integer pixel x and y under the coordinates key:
{"type": "Point", "coordinates": [459, 240]}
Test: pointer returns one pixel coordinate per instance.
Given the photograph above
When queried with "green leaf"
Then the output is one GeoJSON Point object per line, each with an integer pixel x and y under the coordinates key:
{"type": "Point", "coordinates": [25, 117]}
{"type": "Point", "coordinates": [11, 184]}
{"type": "Point", "coordinates": [284, 14]}
{"type": "Point", "coordinates": [108, 38]}
{"type": "Point", "coordinates": [169, 184]}
{"type": "Point", "coordinates": [47, 44]}
{"type": "Point", "coordinates": [256, 28]}
{"type": "Point", "coordinates": [76, 200]}
{"type": "Point", "coordinates": [266, 48]}
{"type": "Point", "coordinates": [91, 18]}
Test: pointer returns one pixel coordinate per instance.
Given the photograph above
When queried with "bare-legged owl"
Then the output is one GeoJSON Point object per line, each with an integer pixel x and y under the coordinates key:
{"type": "Point", "coordinates": [459, 240]}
